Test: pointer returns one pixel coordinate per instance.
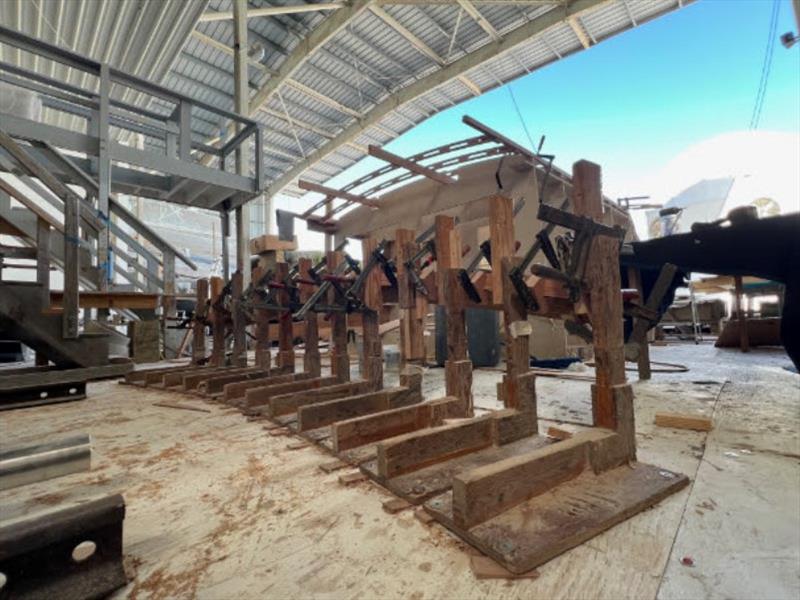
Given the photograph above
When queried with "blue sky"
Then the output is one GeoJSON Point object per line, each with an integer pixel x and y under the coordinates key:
{"type": "Point", "coordinates": [634, 101]}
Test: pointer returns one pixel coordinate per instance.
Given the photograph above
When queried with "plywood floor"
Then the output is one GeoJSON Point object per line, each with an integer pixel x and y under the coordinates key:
{"type": "Point", "coordinates": [219, 509]}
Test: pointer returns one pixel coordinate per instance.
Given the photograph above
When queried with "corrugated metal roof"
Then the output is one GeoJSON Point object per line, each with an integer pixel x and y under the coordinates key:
{"type": "Point", "coordinates": [371, 57]}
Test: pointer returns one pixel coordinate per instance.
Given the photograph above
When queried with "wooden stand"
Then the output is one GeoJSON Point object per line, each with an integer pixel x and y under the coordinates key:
{"type": "Point", "coordinates": [340, 360]}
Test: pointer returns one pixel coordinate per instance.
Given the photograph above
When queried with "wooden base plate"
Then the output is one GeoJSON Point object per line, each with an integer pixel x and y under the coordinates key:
{"type": "Point", "coordinates": [543, 527]}
{"type": "Point", "coordinates": [418, 486]}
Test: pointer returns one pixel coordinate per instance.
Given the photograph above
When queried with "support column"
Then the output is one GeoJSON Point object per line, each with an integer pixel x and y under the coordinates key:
{"type": "Point", "coordinates": [263, 317]}
{"type": "Point", "coordinates": [225, 231]}
{"type": "Point", "coordinates": [311, 358]}
{"type": "Point", "coordinates": [457, 367]}
{"type": "Point", "coordinates": [372, 349]}
{"type": "Point", "coordinates": [71, 267]}
{"type": "Point", "coordinates": [602, 277]}
{"type": "Point", "coordinates": [217, 284]}
{"type": "Point", "coordinates": [286, 358]}
{"type": "Point", "coordinates": [413, 306]}
{"type": "Point", "coordinates": [744, 337]}
{"type": "Point", "coordinates": [242, 103]}
{"type": "Point", "coordinates": [199, 325]}
{"type": "Point", "coordinates": [340, 360]}
{"type": "Point", "coordinates": [239, 355]}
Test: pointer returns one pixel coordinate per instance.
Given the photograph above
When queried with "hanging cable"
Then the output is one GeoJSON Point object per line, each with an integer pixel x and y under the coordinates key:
{"type": "Point", "coordinates": [766, 66]}
{"type": "Point", "coordinates": [519, 114]}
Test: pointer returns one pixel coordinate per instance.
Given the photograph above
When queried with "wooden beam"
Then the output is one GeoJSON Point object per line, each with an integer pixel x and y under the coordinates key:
{"type": "Point", "coordinates": [359, 431]}
{"type": "Point", "coordinates": [261, 395]}
{"type": "Point", "coordinates": [684, 421]}
{"type": "Point", "coordinates": [286, 356]}
{"type": "Point", "coordinates": [289, 403]}
{"type": "Point", "coordinates": [320, 414]}
{"type": "Point", "coordinates": [310, 186]}
{"type": "Point", "coordinates": [603, 281]}
{"type": "Point", "coordinates": [410, 165]}
{"type": "Point", "coordinates": [233, 392]}
{"type": "Point", "coordinates": [340, 358]}
{"type": "Point", "coordinates": [413, 451]}
{"type": "Point", "coordinates": [199, 325]}
{"type": "Point", "coordinates": [311, 357]}
{"type": "Point", "coordinates": [487, 491]}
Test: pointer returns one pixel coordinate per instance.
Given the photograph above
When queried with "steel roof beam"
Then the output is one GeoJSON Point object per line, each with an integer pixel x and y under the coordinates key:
{"type": "Point", "coordinates": [272, 11]}
{"type": "Point", "coordinates": [447, 73]}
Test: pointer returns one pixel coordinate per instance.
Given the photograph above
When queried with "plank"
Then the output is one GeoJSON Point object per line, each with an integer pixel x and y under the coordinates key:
{"type": "Point", "coordinates": [684, 421]}
{"type": "Point", "coordinates": [289, 403]}
{"type": "Point", "coordinates": [359, 431]}
{"type": "Point", "coordinates": [217, 383]}
{"type": "Point", "coordinates": [416, 450]}
{"type": "Point", "coordinates": [539, 529]}
{"type": "Point", "coordinates": [261, 395]}
{"type": "Point", "coordinates": [325, 413]}
{"type": "Point", "coordinates": [487, 491]}
{"type": "Point", "coordinates": [236, 390]}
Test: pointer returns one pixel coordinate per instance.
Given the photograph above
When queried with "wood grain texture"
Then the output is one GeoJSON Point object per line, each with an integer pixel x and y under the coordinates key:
{"type": "Point", "coordinates": [368, 429]}
{"type": "Point", "coordinates": [288, 403]}
{"type": "Point", "coordinates": [458, 383]}
{"type": "Point", "coordinates": [239, 352]}
{"type": "Point", "coordinates": [489, 490]}
{"type": "Point", "coordinates": [684, 421]}
{"type": "Point", "coordinates": [199, 326]}
{"type": "Point", "coordinates": [543, 527]}
{"type": "Point", "coordinates": [416, 450]}
{"type": "Point", "coordinates": [501, 234]}
{"type": "Point", "coordinates": [217, 323]}
{"type": "Point", "coordinates": [340, 359]}
{"type": "Point", "coordinates": [312, 362]}
{"type": "Point", "coordinates": [258, 396]}
{"type": "Point", "coordinates": [236, 390]}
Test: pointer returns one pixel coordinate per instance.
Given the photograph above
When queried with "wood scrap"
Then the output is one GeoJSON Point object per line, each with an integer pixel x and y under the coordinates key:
{"type": "Point", "coordinates": [558, 433]}
{"type": "Point", "coordinates": [297, 445]}
{"type": "Point", "coordinates": [334, 465]}
{"type": "Point", "coordinates": [395, 505]}
{"type": "Point", "coordinates": [351, 478]}
{"type": "Point", "coordinates": [423, 516]}
{"type": "Point", "coordinates": [684, 421]}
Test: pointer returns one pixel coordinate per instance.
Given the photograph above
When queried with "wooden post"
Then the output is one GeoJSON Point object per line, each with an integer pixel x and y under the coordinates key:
{"type": "Point", "coordinates": [413, 306]}
{"type": "Point", "coordinates": [262, 317]}
{"type": "Point", "coordinates": [311, 358]}
{"type": "Point", "coordinates": [239, 354]}
{"type": "Point", "coordinates": [285, 331]}
{"type": "Point", "coordinates": [43, 259]}
{"type": "Point", "coordinates": [643, 355]}
{"type": "Point", "coordinates": [744, 338]}
{"type": "Point", "coordinates": [602, 278]}
{"type": "Point", "coordinates": [199, 325]}
{"type": "Point", "coordinates": [168, 295]}
{"type": "Point", "coordinates": [217, 324]}
{"type": "Point", "coordinates": [340, 361]}
{"type": "Point", "coordinates": [372, 349]}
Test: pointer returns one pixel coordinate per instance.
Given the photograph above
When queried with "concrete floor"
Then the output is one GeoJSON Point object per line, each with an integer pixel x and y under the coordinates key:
{"type": "Point", "coordinates": [216, 508]}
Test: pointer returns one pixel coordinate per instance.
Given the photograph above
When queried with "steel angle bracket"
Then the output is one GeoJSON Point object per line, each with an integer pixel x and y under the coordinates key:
{"type": "Point", "coordinates": [72, 554]}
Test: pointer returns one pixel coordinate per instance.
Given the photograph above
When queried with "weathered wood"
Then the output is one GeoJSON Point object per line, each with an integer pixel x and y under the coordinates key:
{"type": "Point", "coordinates": [744, 339]}
{"type": "Point", "coordinates": [236, 390]}
{"type": "Point", "coordinates": [199, 326]}
{"type": "Point", "coordinates": [458, 383]}
{"type": "Point", "coordinates": [311, 358]}
{"type": "Point", "coordinates": [289, 403]}
{"type": "Point", "coordinates": [406, 248]}
{"type": "Point", "coordinates": [567, 516]}
{"type": "Point", "coordinates": [191, 381]}
{"type": "Point", "coordinates": [416, 450]}
{"type": "Point", "coordinates": [368, 429]}
{"type": "Point", "coordinates": [261, 395]}
{"type": "Point", "coordinates": [239, 353]}
{"type": "Point", "coordinates": [217, 323]}
{"type": "Point", "coordinates": [643, 354]}
{"type": "Point", "coordinates": [320, 414]}
{"type": "Point", "coordinates": [684, 421]}
{"type": "Point", "coordinates": [286, 357]}
{"type": "Point", "coordinates": [512, 425]}
{"type": "Point", "coordinates": [371, 347]}
{"type": "Point", "coordinates": [217, 383]}
{"type": "Point", "coordinates": [603, 280]}
{"type": "Point", "coordinates": [489, 490]}
{"type": "Point", "coordinates": [501, 234]}
{"type": "Point", "coordinates": [340, 360]}
{"type": "Point", "coordinates": [517, 335]}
